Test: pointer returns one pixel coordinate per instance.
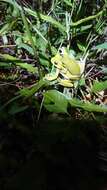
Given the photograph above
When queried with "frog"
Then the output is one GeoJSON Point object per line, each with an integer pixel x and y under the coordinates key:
{"type": "Point", "coordinates": [67, 68]}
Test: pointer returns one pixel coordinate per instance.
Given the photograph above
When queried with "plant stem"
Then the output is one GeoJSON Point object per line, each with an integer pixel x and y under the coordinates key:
{"type": "Point", "coordinates": [87, 19]}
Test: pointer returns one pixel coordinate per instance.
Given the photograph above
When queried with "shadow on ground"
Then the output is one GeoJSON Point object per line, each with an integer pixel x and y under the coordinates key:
{"type": "Point", "coordinates": [57, 155]}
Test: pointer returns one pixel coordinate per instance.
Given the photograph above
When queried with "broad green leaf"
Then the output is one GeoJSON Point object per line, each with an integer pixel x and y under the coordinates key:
{"type": "Point", "coordinates": [91, 107]}
{"type": "Point", "coordinates": [99, 86]}
{"type": "Point", "coordinates": [101, 46]}
{"type": "Point", "coordinates": [41, 45]}
{"type": "Point", "coordinates": [55, 101]}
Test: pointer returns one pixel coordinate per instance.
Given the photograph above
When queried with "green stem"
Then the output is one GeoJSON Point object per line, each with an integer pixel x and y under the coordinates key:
{"type": "Point", "coordinates": [87, 19]}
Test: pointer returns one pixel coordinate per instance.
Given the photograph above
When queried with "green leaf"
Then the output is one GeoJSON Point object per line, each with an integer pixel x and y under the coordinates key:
{"type": "Point", "coordinates": [13, 2]}
{"type": "Point", "coordinates": [99, 86]}
{"type": "Point", "coordinates": [27, 92]}
{"type": "Point", "coordinates": [26, 47]}
{"type": "Point", "coordinates": [81, 46]}
{"type": "Point", "coordinates": [55, 101]}
{"type": "Point", "coordinates": [28, 67]}
{"type": "Point", "coordinates": [8, 57]}
{"type": "Point", "coordinates": [86, 27]}
{"type": "Point", "coordinates": [82, 82]}
{"type": "Point", "coordinates": [18, 62]}
{"type": "Point", "coordinates": [87, 106]}
{"type": "Point", "coordinates": [39, 33]}
{"type": "Point", "coordinates": [6, 65]}
{"type": "Point", "coordinates": [7, 27]}
{"type": "Point", "coordinates": [68, 3]}
{"type": "Point", "coordinates": [43, 59]}
{"type": "Point", "coordinates": [101, 46]}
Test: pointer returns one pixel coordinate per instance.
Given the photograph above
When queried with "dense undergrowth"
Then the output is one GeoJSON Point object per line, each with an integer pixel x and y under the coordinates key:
{"type": "Point", "coordinates": [53, 94]}
{"type": "Point", "coordinates": [30, 35]}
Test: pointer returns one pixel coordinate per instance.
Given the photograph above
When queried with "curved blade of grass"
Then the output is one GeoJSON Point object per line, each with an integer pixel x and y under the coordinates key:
{"type": "Point", "coordinates": [87, 19]}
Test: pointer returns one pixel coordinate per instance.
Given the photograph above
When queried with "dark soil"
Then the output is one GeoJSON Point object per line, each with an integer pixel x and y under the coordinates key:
{"type": "Point", "coordinates": [58, 154]}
